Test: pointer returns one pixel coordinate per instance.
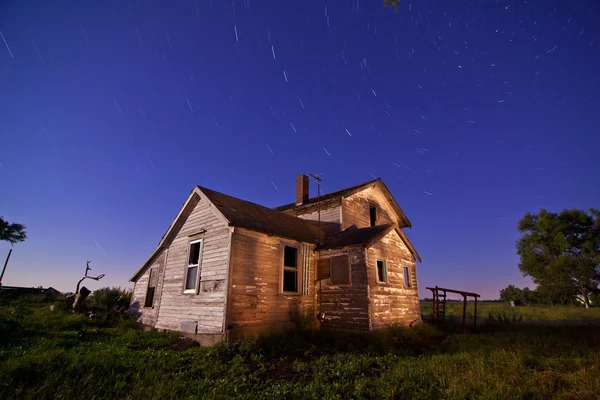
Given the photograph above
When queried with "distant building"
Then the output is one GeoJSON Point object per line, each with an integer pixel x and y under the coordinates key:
{"type": "Point", "coordinates": [17, 291]}
{"type": "Point", "coordinates": [227, 268]}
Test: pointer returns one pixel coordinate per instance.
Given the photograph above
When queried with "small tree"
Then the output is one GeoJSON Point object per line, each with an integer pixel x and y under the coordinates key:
{"type": "Point", "coordinates": [12, 233]}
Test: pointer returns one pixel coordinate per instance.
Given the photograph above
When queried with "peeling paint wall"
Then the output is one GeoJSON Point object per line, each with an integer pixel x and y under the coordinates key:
{"type": "Point", "coordinates": [330, 214]}
{"type": "Point", "coordinates": [256, 303]}
{"type": "Point", "coordinates": [205, 310]}
{"type": "Point", "coordinates": [392, 303]}
{"type": "Point", "coordinates": [346, 306]}
{"type": "Point", "coordinates": [355, 209]}
{"type": "Point", "coordinates": [148, 315]}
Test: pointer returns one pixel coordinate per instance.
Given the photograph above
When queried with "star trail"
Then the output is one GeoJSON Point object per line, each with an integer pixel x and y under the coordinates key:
{"type": "Point", "coordinates": [472, 112]}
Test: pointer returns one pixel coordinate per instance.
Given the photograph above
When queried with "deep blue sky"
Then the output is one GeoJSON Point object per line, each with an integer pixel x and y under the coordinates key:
{"type": "Point", "coordinates": [473, 113]}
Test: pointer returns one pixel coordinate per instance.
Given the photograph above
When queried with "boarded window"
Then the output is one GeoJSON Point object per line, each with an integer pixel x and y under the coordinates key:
{"type": "Point", "coordinates": [406, 277]}
{"type": "Point", "coordinates": [152, 281]}
{"type": "Point", "coordinates": [323, 268]}
{"type": "Point", "coordinates": [191, 271]}
{"type": "Point", "coordinates": [381, 271]}
{"type": "Point", "coordinates": [340, 270]}
{"type": "Point", "coordinates": [373, 215]}
{"type": "Point", "coordinates": [290, 269]}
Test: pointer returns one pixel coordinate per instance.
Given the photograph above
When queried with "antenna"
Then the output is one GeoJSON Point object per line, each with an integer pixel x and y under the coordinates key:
{"type": "Point", "coordinates": [318, 179]}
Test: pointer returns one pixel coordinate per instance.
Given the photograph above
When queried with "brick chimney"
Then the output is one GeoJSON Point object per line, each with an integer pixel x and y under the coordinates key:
{"type": "Point", "coordinates": [301, 189]}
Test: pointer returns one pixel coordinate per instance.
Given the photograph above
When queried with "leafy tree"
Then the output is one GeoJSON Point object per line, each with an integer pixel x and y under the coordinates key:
{"type": "Point", "coordinates": [511, 293]}
{"type": "Point", "coordinates": [12, 233]}
{"type": "Point", "coordinates": [561, 252]}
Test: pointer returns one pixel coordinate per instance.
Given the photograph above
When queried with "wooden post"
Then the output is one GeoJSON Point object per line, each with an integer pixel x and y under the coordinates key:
{"type": "Point", "coordinates": [435, 304]}
{"type": "Point", "coordinates": [5, 264]}
{"type": "Point", "coordinates": [464, 312]}
{"type": "Point", "coordinates": [475, 313]}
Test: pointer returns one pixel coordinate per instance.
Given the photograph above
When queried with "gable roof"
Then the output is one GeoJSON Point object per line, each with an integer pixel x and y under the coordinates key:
{"type": "Point", "coordinates": [273, 221]}
{"type": "Point", "coordinates": [365, 236]}
{"type": "Point", "coordinates": [239, 213]}
{"type": "Point", "coordinates": [338, 193]}
{"type": "Point", "coordinates": [355, 236]}
{"type": "Point", "coordinates": [244, 214]}
{"type": "Point", "coordinates": [342, 193]}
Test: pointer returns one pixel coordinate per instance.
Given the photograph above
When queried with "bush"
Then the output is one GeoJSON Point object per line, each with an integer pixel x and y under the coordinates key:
{"type": "Point", "coordinates": [504, 318]}
{"type": "Point", "coordinates": [109, 299]}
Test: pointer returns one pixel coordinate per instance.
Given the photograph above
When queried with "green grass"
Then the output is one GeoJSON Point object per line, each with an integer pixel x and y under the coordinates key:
{"type": "Point", "coordinates": [527, 312]}
{"type": "Point", "coordinates": [59, 355]}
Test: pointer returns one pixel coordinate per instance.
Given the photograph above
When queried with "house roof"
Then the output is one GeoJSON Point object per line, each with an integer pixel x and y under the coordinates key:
{"type": "Point", "coordinates": [338, 193]}
{"type": "Point", "coordinates": [347, 192]}
{"type": "Point", "coordinates": [244, 214]}
{"type": "Point", "coordinates": [248, 215]}
{"type": "Point", "coordinates": [365, 236]}
{"type": "Point", "coordinates": [355, 236]}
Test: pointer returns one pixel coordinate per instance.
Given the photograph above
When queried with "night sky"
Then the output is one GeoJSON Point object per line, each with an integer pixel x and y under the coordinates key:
{"type": "Point", "coordinates": [472, 113]}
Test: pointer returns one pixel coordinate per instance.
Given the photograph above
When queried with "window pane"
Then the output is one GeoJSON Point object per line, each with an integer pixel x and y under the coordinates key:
{"type": "Point", "coordinates": [194, 253]}
{"type": "Point", "coordinates": [290, 257]}
{"type": "Point", "coordinates": [406, 277]}
{"type": "Point", "coordinates": [190, 280]}
{"type": "Point", "coordinates": [381, 271]}
{"type": "Point", "coordinates": [290, 282]}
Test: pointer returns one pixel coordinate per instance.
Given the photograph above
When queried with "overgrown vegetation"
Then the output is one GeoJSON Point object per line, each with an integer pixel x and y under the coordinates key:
{"type": "Point", "coordinates": [527, 313]}
{"type": "Point", "coordinates": [108, 299]}
{"type": "Point", "coordinates": [61, 354]}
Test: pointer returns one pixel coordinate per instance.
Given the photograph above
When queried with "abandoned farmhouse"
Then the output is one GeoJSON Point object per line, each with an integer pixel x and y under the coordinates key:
{"type": "Point", "coordinates": [228, 268]}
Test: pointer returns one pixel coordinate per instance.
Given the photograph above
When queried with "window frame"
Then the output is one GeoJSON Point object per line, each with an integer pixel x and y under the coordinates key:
{"type": "Point", "coordinates": [348, 265]}
{"type": "Point", "coordinates": [194, 290]}
{"type": "Point", "coordinates": [373, 215]}
{"type": "Point", "coordinates": [406, 276]}
{"type": "Point", "coordinates": [148, 287]}
{"type": "Point", "coordinates": [385, 275]}
{"type": "Point", "coordinates": [297, 270]}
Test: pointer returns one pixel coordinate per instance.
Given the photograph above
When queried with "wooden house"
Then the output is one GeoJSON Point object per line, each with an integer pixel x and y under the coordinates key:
{"type": "Point", "coordinates": [227, 267]}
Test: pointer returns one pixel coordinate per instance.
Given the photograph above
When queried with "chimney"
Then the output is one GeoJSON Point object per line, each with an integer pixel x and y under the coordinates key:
{"type": "Point", "coordinates": [301, 189]}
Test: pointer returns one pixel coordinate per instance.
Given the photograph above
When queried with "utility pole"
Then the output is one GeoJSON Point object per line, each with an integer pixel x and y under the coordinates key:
{"type": "Point", "coordinates": [5, 264]}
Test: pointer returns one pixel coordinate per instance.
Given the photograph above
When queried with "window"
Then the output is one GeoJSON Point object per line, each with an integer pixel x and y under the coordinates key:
{"type": "Point", "coordinates": [373, 215]}
{"type": "Point", "coordinates": [152, 281]}
{"type": "Point", "coordinates": [290, 269]}
{"type": "Point", "coordinates": [406, 277]}
{"type": "Point", "coordinates": [340, 270]}
{"type": "Point", "coordinates": [191, 271]}
{"type": "Point", "coordinates": [381, 271]}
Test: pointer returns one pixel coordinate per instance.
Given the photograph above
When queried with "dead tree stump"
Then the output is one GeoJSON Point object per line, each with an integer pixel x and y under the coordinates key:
{"type": "Point", "coordinates": [80, 298]}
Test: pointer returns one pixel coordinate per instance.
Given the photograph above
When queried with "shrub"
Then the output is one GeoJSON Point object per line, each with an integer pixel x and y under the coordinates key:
{"type": "Point", "coordinates": [109, 299]}
{"type": "Point", "coordinates": [504, 318]}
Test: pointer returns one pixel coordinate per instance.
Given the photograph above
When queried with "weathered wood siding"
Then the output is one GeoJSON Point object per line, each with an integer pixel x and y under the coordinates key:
{"type": "Point", "coordinates": [346, 306]}
{"type": "Point", "coordinates": [179, 311]}
{"type": "Point", "coordinates": [355, 209]}
{"type": "Point", "coordinates": [255, 302]}
{"type": "Point", "coordinates": [148, 315]}
{"type": "Point", "coordinates": [330, 214]}
{"type": "Point", "coordinates": [392, 303]}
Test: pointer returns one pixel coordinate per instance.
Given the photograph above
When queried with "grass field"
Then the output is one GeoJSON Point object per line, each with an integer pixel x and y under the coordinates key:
{"type": "Point", "coordinates": [57, 355]}
{"type": "Point", "coordinates": [526, 312]}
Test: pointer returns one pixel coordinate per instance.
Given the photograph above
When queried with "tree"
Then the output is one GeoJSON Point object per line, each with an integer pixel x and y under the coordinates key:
{"type": "Point", "coordinates": [561, 252]}
{"type": "Point", "coordinates": [12, 233]}
{"type": "Point", "coordinates": [511, 293]}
